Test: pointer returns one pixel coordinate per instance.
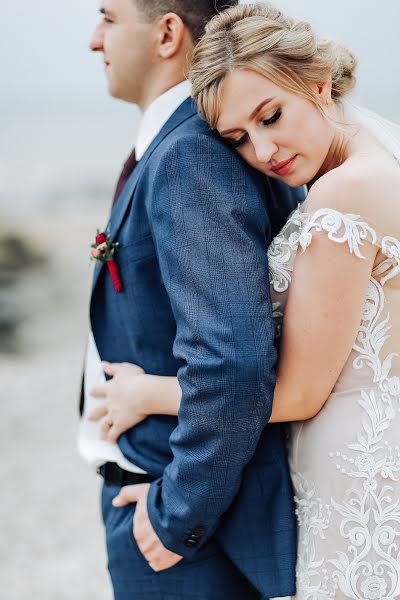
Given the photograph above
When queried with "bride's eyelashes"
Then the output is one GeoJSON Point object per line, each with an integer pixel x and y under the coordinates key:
{"type": "Point", "coordinates": [273, 119]}
{"type": "Point", "coordinates": [240, 142]}
{"type": "Point", "coordinates": [266, 122]}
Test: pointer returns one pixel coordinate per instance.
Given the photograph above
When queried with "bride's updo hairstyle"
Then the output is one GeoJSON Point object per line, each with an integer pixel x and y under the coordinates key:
{"type": "Point", "coordinates": [261, 38]}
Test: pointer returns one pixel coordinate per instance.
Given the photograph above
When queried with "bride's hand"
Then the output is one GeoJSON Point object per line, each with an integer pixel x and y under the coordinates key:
{"type": "Point", "coordinates": [124, 399]}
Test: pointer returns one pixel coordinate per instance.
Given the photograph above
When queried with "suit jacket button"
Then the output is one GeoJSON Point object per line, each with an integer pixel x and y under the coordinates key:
{"type": "Point", "coordinates": [199, 531]}
{"type": "Point", "coordinates": [191, 543]}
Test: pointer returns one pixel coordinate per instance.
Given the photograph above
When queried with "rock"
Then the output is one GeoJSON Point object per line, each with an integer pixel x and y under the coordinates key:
{"type": "Point", "coordinates": [16, 254]}
{"type": "Point", "coordinates": [17, 257]}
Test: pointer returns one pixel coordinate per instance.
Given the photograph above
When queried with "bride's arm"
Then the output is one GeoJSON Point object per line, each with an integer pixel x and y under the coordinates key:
{"type": "Point", "coordinates": [321, 321]}
{"type": "Point", "coordinates": [322, 317]}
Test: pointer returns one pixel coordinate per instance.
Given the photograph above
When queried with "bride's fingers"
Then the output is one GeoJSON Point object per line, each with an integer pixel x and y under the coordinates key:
{"type": "Point", "coordinates": [132, 368]}
{"type": "Point", "coordinates": [98, 412]}
{"type": "Point", "coordinates": [105, 428]}
{"type": "Point", "coordinates": [99, 391]}
{"type": "Point", "coordinates": [113, 434]}
{"type": "Point", "coordinates": [106, 425]}
{"type": "Point", "coordinates": [111, 368]}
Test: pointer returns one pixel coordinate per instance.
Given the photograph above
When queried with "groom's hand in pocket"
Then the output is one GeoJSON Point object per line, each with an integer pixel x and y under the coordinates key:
{"type": "Point", "coordinates": [158, 557]}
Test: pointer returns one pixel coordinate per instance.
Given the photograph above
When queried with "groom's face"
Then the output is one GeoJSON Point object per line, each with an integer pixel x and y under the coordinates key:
{"type": "Point", "coordinates": [126, 41]}
{"type": "Point", "coordinates": [277, 132]}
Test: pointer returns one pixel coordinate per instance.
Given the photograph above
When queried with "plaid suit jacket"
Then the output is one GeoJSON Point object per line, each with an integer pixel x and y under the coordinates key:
{"type": "Point", "coordinates": [193, 225]}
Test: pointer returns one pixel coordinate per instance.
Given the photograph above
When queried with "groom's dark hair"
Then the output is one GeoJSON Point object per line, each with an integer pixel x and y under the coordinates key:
{"type": "Point", "coordinates": [194, 13]}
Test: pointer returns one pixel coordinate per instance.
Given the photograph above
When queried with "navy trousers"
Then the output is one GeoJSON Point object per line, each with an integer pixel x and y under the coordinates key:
{"type": "Point", "coordinates": [211, 576]}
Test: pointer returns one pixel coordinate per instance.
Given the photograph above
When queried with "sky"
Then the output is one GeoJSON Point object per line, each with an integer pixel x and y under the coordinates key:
{"type": "Point", "coordinates": [58, 122]}
{"type": "Point", "coordinates": [48, 63]}
{"type": "Point", "coordinates": [46, 45]}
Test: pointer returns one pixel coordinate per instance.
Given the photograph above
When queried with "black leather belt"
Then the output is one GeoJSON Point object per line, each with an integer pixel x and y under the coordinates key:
{"type": "Point", "coordinates": [112, 473]}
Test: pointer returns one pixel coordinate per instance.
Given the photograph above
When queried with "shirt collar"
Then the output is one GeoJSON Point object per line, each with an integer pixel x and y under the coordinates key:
{"type": "Point", "coordinates": [158, 113]}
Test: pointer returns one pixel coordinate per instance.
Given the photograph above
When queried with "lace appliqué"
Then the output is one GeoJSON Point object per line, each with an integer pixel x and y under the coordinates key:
{"type": "Point", "coordinates": [369, 514]}
{"type": "Point", "coordinates": [313, 517]}
{"type": "Point", "coordinates": [340, 228]}
{"type": "Point", "coordinates": [282, 252]}
{"type": "Point", "coordinates": [391, 249]}
{"type": "Point", "coordinates": [372, 335]}
{"type": "Point", "coordinates": [299, 230]}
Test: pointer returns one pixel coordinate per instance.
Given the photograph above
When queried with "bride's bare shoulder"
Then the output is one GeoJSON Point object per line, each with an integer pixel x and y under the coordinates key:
{"type": "Point", "coordinates": [364, 187]}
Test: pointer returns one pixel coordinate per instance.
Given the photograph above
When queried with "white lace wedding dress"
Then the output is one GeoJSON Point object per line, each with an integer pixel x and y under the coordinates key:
{"type": "Point", "coordinates": [345, 462]}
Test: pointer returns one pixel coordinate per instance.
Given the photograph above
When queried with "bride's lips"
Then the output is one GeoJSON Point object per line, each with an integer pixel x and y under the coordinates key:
{"type": "Point", "coordinates": [283, 167]}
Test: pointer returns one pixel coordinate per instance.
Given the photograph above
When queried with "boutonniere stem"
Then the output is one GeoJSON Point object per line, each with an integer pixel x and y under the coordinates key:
{"type": "Point", "coordinates": [103, 250]}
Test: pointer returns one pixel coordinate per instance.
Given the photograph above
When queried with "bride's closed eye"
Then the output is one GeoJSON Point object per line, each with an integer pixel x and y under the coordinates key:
{"type": "Point", "coordinates": [240, 142]}
{"type": "Point", "coordinates": [272, 119]}
{"type": "Point", "coordinates": [266, 122]}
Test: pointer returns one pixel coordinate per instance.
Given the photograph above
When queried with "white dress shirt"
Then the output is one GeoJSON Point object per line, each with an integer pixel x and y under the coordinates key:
{"type": "Point", "coordinates": [90, 445]}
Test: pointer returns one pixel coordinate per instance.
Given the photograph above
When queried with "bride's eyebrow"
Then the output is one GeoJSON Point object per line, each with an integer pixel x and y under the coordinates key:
{"type": "Point", "coordinates": [253, 114]}
{"type": "Point", "coordinates": [260, 106]}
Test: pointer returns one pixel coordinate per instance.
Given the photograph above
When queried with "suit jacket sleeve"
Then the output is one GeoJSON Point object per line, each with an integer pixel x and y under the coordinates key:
{"type": "Point", "coordinates": [211, 231]}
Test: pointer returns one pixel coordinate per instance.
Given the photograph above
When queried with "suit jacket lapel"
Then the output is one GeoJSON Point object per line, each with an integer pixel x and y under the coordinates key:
{"type": "Point", "coordinates": [186, 110]}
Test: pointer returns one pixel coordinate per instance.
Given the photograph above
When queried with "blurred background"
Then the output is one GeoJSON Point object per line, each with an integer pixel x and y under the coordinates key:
{"type": "Point", "coordinates": [62, 142]}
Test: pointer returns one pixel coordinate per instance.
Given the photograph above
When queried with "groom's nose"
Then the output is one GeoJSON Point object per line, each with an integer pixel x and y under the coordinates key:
{"type": "Point", "coordinates": [96, 42]}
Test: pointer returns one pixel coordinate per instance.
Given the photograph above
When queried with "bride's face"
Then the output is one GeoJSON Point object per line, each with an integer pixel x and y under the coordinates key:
{"type": "Point", "coordinates": [277, 132]}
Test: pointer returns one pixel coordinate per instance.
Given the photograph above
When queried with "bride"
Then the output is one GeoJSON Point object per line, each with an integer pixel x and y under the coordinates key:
{"type": "Point", "coordinates": [275, 92]}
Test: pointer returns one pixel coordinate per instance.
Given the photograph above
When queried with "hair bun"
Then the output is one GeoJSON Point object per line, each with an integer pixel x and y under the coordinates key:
{"type": "Point", "coordinates": [343, 66]}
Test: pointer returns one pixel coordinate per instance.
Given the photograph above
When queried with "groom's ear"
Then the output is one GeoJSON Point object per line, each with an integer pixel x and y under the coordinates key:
{"type": "Point", "coordinates": [172, 35]}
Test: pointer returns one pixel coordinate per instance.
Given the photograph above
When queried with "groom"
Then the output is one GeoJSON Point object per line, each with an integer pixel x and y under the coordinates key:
{"type": "Point", "coordinates": [211, 511]}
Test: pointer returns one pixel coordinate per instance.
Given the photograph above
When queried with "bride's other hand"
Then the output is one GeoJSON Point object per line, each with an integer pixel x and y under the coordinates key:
{"type": "Point", "coordinates": [131, 396]}
{"type": "Point", "coordinates": [124, 399]}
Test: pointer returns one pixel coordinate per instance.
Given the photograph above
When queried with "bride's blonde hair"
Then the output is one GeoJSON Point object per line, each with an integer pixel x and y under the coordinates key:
{"type": "Point", "coordinates": [261, 38]}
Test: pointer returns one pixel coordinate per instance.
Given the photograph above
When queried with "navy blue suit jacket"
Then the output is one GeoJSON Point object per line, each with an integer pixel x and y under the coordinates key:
{"type": "Point", "coordinates": [193, 225]}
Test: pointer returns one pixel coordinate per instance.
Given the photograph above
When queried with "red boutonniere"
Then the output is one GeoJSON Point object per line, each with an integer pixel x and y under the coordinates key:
{"type": "Point", "coordinates": [104, 250]}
